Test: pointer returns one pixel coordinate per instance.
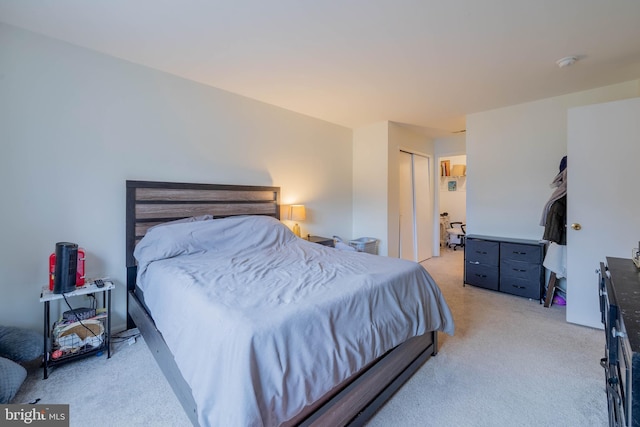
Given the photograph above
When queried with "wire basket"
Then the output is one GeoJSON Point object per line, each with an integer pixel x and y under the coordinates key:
{"type": "Point", "coordinates": [78, 336]}
{"type": "Point", "coordinates": [365, 244]}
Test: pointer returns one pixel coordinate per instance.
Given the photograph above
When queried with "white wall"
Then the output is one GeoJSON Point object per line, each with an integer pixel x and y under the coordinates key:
{"type": "Point", "coordinates": [513, 154]}
{"type": "Point", "coordinates": [75, 124]}
{"type": "Point", "coordinates": [370, 177]}
{"type": "Point", "coordinates": [450, 145]}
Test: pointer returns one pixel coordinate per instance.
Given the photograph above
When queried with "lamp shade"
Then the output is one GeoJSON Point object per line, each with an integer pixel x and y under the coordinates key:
{"type": "Point", "coordinates": [297, 213]}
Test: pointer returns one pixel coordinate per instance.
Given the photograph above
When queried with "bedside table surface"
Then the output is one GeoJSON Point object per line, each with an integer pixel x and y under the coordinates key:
{"type": "Point", "coordinates": [326, 241]}
{"type": "Point", "coordinates": [88, 288]}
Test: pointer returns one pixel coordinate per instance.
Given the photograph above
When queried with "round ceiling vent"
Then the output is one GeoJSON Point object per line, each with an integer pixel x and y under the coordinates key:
{"type": "Point", "coordinates": [566, 61]}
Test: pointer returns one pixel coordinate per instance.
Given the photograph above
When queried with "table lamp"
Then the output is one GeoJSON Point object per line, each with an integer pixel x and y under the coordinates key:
{"type": "Point", "coordinates": [297, 213]}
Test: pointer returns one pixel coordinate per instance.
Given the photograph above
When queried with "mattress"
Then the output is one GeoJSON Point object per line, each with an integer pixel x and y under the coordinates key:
{"type": "Point", "coordinates": [262, 323]}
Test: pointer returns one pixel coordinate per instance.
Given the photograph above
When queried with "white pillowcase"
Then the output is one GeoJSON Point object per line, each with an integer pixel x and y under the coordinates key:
{"type": "Point", "coordinates": [183, 220]}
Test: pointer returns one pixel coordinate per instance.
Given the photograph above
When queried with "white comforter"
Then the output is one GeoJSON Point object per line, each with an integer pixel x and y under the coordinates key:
{"type": "Point", "coordinates": [262, 323]}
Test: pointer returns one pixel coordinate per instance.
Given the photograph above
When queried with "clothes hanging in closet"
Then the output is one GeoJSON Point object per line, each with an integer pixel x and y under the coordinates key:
{"type": "Point", "coordinates": [560, 185]}
{"type": "Point", "coordinates": [555, 228]}
{"type": "Point", "coordinates": [554, 220]}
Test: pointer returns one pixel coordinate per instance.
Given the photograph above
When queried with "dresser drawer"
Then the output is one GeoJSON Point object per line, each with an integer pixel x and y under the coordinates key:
{"type": "Point", "coordinates": [520, 287]}
{"type": "Point", "coordinates": [481, 252]}
{"type": "Point", "coordinates": [520, 252]}
{"type": "Point", "coordinates": [520, 270]}
{"type": "Point", "coordinates": [485, 276]}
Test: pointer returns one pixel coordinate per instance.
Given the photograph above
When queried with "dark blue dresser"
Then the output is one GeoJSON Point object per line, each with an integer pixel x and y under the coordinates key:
{"type": "Point", "coordinates": [620, 309]}
{"type": "Point", "coordinates": [505, 264]}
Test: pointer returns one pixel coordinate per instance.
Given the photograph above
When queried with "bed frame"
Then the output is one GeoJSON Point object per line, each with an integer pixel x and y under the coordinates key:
{"type": "Point", "coordinates": [350, 403]}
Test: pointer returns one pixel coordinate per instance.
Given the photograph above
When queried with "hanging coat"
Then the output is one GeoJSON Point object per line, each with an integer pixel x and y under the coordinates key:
{"type": "Point", "coordinates": [555, 229]}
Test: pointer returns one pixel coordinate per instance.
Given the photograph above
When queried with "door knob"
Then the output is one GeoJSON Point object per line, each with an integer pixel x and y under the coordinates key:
{"type": "Point", "coordinates": [576, 226]}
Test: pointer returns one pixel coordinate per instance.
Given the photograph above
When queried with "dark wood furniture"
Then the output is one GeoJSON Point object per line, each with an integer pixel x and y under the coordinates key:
{"type": "Point", "coordinates": [326, 241]}
{"type": "Point", "coordinates": [551, 289]}
{"type": "Point", "coordinates": [352, 402]}
{"type": "Point", "coordinates": [620, 310]}
{"type": "Point", "coordinates": [504, 264]}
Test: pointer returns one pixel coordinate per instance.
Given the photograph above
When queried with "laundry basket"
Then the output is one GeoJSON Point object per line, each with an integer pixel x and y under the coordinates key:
{"type": "Point", "coordinates": [365, 244]}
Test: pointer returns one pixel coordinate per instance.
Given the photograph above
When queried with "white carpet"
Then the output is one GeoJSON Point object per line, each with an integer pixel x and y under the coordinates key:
{"type": "Point", "coordinates": [512, 362]}
{"type": "Point", "coordinates": [126, 390]}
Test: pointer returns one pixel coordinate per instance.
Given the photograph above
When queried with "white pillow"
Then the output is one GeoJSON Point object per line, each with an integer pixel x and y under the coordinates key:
{"type": "Point", "coordinates": [183, 220]}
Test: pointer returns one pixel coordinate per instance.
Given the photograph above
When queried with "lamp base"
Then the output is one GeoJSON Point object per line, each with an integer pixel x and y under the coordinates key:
{"type": "Point", "coordinates": [296, 230]}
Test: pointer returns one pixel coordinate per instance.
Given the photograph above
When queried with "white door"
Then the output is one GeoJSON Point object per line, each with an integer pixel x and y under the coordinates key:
{"type": "Point", "coordinates": [603, 154]}
{"type": "Point", "coordinates": [423, 207]}
{"type": "Point", "coordinates": [406, 226]}
{"type": "Point", "coordinates": [416, 208]}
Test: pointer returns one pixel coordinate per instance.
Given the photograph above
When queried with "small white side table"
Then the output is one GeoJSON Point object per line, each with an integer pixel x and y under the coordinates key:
{"type": "Point", "coordinates": [46, 296]}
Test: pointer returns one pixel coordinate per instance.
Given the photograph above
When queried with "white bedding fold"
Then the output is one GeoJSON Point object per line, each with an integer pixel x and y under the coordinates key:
{"type": "Point", "coordinates": [262, 323]}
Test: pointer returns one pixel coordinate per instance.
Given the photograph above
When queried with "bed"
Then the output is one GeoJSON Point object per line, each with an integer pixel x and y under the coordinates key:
{"type": "Point", "coordinates": [254, 326]}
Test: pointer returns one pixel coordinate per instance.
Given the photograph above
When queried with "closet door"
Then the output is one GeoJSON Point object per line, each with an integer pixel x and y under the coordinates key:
{"type": "Point", "coordinates": [416, 208]}
{"type": "Point", "coordinates": [423, 207]}
{"type": "Point", "coordinates": [407, 221]}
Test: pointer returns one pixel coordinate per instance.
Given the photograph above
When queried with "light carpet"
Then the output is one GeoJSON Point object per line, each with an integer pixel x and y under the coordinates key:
{"type": "Point", "coordinates": [511, 362]}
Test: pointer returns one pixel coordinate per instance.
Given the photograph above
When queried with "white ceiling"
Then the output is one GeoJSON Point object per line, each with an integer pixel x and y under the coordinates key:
{"type": "Point", "coordinates": [424, 63]}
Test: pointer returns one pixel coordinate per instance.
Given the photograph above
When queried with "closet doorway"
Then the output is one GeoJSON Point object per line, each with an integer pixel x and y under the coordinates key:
{"type": "Point", "coordinates": [416, 207]}
{"type": "Point", "coordinates": [452, 193]}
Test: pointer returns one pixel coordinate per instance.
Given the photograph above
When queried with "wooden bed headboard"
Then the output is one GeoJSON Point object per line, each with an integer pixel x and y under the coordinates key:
{"type": "Point", "coordinates": [150, 203]}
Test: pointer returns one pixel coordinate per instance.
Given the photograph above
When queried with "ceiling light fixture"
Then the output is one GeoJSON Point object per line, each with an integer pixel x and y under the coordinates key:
{"type": "Point", "coordinates": [566, 61]}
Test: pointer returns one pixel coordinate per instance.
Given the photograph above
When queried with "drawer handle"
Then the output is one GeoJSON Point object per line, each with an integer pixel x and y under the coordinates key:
{"type": "Point", "coordinates": [474, 262]}
{"type": "Point", "coordinates": [519, 287]}
{"type": "Point", "coordinates": [520, 270]}
{"type": "Point", "coordinates": [519, 253]}
{"type": "Point", "coordinates": [481, 275]}
{"type": "Point", "coordinates": [603, 362]}
{"type": "Point", "coordinates": [616, 333]}
{"type": "Point", "coordinates": [481, 252]}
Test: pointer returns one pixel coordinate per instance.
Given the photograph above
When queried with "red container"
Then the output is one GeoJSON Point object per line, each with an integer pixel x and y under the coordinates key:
{"type": "Point", "coordinates": [52, 270]}
{"type": "Point", "coordinates": [79, 272]}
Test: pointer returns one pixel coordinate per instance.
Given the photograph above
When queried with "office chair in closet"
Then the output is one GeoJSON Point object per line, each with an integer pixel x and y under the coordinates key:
{"type": "Point", "coordinates": [456, 233]}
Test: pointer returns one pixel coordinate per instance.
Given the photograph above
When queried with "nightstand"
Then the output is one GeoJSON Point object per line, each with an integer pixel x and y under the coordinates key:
{"type": "Point", "coordinates": [76, 339]}
{"type": "Point", "coordinates": [325, 241]}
